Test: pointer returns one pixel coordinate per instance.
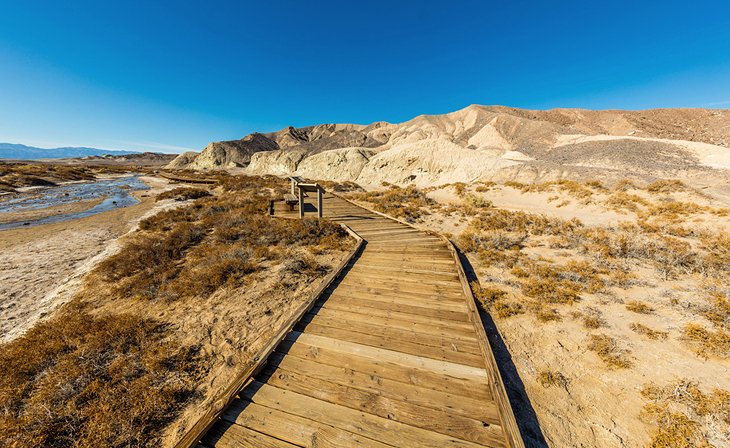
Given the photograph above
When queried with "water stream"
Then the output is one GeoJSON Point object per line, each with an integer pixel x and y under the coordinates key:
{"type": "Point", "coordinates": [115, 191]}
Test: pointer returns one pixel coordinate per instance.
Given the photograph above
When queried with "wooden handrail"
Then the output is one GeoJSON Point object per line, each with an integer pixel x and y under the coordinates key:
{"type": "Point", "coordinates": [220, 403]}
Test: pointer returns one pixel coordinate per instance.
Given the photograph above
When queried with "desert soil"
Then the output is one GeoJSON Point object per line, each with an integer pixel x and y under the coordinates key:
{"type": "Point", "coordinates": [592, 405]}
{"type": "Point", "coordinates": [589, 403]}
{"type": "Point", "coordinates": [41, 267]}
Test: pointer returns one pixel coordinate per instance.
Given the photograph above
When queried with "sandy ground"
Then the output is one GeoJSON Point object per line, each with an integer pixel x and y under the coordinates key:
{"type": "Point", "coordinates": [595, 406]}
{"type": "Point", "coordinates": [41, 267]}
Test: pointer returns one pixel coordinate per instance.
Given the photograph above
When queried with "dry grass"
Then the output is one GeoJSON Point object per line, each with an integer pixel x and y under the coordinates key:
{"type": "Point", "coordinates": [549, 378]}
{"type": "Point", "coordinates": [78, 380]}
{"type": "Point", "coordinates": [590, 317]}
{"type": "Point", "coordinates": [609, 351]}
{"type": "Point", "coordinates": [473, 204]}
{"type": "Point", "coordinates": [667, 186]}
{"type": "Point", "coordinates": [622, 201]}
{"type": "Point", "coordinates": [636, 306]}
{"type": "Point", "coordinates": [183, 194]}
{"type": "Point", "coordinates": [496, 300]}
{"type": "Point", "coordinates": [685, 416]}
{"type": "Point", "coordinates": [213, 243]}
{"type": "Point", "coordinates": [408, 203]}
{"type": "Point", "coordinates": [707, 342]}
{"type": "Point", "coordinates": [648, 332]}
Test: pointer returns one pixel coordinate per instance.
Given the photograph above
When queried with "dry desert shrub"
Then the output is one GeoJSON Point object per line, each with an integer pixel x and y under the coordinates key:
{"type": "Point", "coordinates": [685, 416]}
{"type": "Point", "coordinates": [213, 243]}
{"type": "Point", "coordinates": [637, 306]}
{"type": "Point", "coordinates": [648, 332]}
{"type": "Point", "coordinates": [577, 190]}
{"type": "Point", "coordinates": [473, 204]}
{"type": "Point", "coordinates": [545, 283]}
{"type": "Point", "coordinates": [495, 299]}
{"type": "Point", "coordinates": [667, 186]}
{"type": "Point", "coordinates": [548, 378]}
{"type": "Point", "coordinates": [707, 342]}
{"type": "Point", "coordinates": [79, 380]}
{"type": "Point", "coordinates": [624, 185]}
{"type": "Point", "coordinates": [407, 203]}
{"type": "Point", "coordinates": [622, 201]}
{"type": "Point", "coordinates": [590, 317]}
{"type": "Point", "coordinates": [609, 351]}
{"type": "Point", "coordinates": [183, 194]}
{"type": "Point", "coordinates": [340, 187]}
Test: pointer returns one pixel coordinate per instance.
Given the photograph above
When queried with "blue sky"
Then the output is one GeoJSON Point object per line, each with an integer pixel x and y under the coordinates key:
{"type": "Point", "coordinates": [170, 76]}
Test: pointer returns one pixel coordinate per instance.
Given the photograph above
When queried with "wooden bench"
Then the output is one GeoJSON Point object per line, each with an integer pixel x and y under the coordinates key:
{"type": "Point", "coordinates": [291, 200]}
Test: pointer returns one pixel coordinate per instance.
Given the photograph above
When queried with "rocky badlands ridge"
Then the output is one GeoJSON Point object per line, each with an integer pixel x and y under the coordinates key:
{"type": "Point", "coordinates": [488, 143]}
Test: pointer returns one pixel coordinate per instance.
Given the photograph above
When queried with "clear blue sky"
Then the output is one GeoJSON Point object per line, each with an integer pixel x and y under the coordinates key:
{"type": "Point", "coordinates": [175, 75]}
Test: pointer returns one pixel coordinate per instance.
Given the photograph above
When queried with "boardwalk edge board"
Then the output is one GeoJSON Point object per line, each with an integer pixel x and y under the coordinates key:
{"type": "Point", "coordinates": [196, 432]}
{"type": "Point", "coordinates": [507, 417]}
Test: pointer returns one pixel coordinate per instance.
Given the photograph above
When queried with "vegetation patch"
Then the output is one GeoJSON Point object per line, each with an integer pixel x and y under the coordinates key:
{"type": "Point", "coordinates": [407, 203]}
{"type": "Point", "coordinates": [82, 380]}
{"type": "Point", "coordinates": [685, 416]}
{"type": "Point", "coordinates": [636, 306]}
{"type": "Point", "coordinates": [707, 342]}
{"type": "Point", "coordinates": [648, 332]}
{"type": "Point", "coordinates": [183, 194]}
{"type": "Point", "coordinates": [549, 378]}
{"type": "Point", "coordinates": [609, 351]}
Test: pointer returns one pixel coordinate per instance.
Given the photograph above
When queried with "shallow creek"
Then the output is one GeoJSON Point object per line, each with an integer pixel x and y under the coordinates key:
{"type": "Point", "coordinates": [116, 192]}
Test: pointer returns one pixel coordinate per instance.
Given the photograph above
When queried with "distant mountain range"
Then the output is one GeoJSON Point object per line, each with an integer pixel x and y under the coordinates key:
{"type": "Point", "coordinates": [17, 151]}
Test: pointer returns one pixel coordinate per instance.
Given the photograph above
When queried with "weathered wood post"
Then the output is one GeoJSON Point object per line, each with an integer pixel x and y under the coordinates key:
{"type": "Point", "coordinates": [301, 202]}
{"type": "Point", "coordinates": [319, 201]}
{"type": "Point", "coordinates": [293, 186]}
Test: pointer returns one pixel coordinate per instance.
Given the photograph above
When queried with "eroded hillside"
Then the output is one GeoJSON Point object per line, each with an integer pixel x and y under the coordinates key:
{"type": "Point", "coordinates": [482, 143]}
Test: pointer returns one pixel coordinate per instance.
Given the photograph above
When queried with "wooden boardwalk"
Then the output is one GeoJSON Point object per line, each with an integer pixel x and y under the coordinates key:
{"type": "Point", "coordinates": [388, 357]}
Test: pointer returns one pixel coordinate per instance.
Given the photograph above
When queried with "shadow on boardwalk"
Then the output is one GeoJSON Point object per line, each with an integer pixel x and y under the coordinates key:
{"type": "Point", "coordinates": [521, 405]}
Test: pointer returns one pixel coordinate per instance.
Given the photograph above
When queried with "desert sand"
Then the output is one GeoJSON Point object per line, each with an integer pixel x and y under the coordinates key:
{"type": "Point", "coordinates": [585, 403]}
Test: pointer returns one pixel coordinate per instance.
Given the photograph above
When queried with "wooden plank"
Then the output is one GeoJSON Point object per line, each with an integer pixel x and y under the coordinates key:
{"type": "Point", "coordinates": [390, 270]}
{"type": "Point", "coordinates": [416, 362]}
{"type": "Point", "coordinates": [393, 279]}
{"type": "Point", "coordinates": [425, 260]}
{"type": "Point", "coordinates": [394, 286]}
{"type": "Point", "coordinates": [386, 369]}
{"type": "Point", "coordinates": [294, 429]}
{"type": "Point", "coordinates": [479, 405]}
{"type": "Point", "coordinates": [409, 347]}
{"type": "Point", "coordinates": [230, 435]}
{"type": "Point", "coordinates": [393, 319]}
{"type": "Point", "coordinates": [441, 313]}
{"type": "Point", "coordinates": [433, 300]}
{"type": "Point", "coordinates": [364, 424]}
{"type": "Point", "coordinates": [413, 268]}
{"type": "Point", "coordinates": [419, 314]}
{"type": "Point", "coordinates": [437, 420]}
